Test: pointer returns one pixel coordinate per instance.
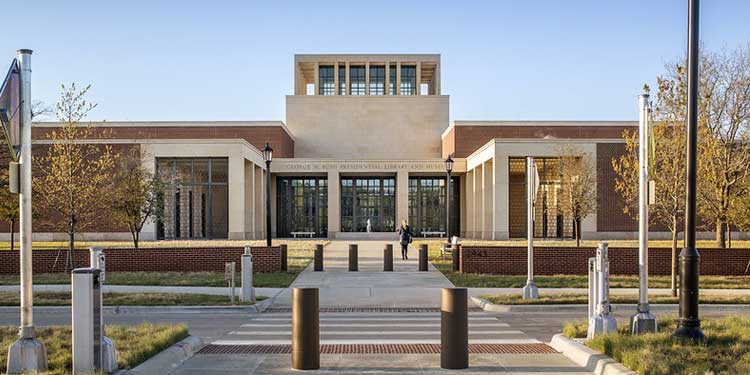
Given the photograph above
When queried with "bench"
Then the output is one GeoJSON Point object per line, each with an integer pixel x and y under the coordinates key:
{"type": "Point", "coordinates": [448, 248]}
{"type": "Point", "coordinates": [295, 234]}
{"type": "Point", "coordinates": [427, 233]}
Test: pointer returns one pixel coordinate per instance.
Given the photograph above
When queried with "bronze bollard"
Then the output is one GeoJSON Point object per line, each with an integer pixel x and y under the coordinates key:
{"type": "Point", "coordinates": [353, 257]}
{"type": "Point", "coordinates": [305, 329]}
{"type": "Point", "coordinates": [456, 256]}
{"type": "Point", "coordinates": [454, 329]}
{"type": "Point", "coordinates": [423, 257]}
{"type": "Point", "coordinates": [388, 258]}
{"type": "Point", "coordinates": [318, 258]}
{"type": "Point", "coordinates": [283, 258]}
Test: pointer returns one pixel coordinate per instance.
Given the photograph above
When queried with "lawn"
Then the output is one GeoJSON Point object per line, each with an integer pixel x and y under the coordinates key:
{"type": "Point", "coordinates": [705, 244]}
{"type": "Point", "coordinates": [127, 299]}
{"type": "Point", "coordinates": [726, 351]}
{"type": "Point", "coordinates": [135, 344]}
{"type": "Point", "coordinates": [299, 255]}
{"type": "Point", "coordinates": [579, 298]}
{"type": "Point", "coordinates": [55, 245]}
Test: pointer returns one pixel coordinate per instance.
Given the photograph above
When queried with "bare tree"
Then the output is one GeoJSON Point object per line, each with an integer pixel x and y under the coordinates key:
{"type": "Point", "coordinates": [74, 176]}
{"type": "Point", "coordinates": [136, 194]}
{"type": "Point", "coordinates": [40, 110]}
{"type": "Point", "coordinates": [578, 186]}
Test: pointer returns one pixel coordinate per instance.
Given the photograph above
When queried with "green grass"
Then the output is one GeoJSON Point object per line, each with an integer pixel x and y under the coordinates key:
{"type": "Point", "coordinates": [55, 245]}
{"type": "Point", "coordinates": [127, 299]}
{"type": "Point", "coordinates": [726, 350]}
{"type": "Point", "coordinates": [706, 244]}
{"type": "Point", "coordinates": [134, 344]}
{"type": "Point", "coordinates": [579, 298]}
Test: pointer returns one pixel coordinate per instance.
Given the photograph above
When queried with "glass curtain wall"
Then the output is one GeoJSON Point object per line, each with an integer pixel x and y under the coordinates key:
{"type": "Point", "coordinates": [377, 80]}
{"type": "Point", "coordinates": [357, 80]}
{"type": "Point", "coordinates": [427, 205]}
{"type": "Point", "coordinates": [195, 199]}
{"type": "Point", "coordinates": [368, 198]}
{"type": "Point", "coordinates": [549, 222]}
{"type": "Point", "coordinates": [301, 205]}
{"type": "Point", "coordinates": [327, 80]}
{"type": "Point", "coordinates": [408, 80]}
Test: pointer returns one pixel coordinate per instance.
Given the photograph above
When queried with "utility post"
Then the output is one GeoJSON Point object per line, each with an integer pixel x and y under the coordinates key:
{"type": "Point", "coordinates": [27, 354]}
{"type": "Point", "coordinates": [530, 291]}
{"type": "Point", "coordinates": [643, 320]}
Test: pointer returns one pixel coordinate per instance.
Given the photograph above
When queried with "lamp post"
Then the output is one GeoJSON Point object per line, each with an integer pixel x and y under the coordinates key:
{"type": "Point", "coordinates": [688, 326]}
{"type": "Point", "coordinates": [267, 156]}
{"type": "Point", "coordinates": [448, 170]}
{"type": "Point", "coordinates": [530, 290]}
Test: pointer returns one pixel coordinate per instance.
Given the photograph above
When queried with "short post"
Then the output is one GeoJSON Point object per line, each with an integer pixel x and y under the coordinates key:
{"type": "Point", "coordinates": [602, 322]}
{"type": "Point", "coordinates": [423, 257]}
{"type": "Point", "coordinates": [353, 258]}
{"type": "Point", "coordinates": [284, 262]}
{"type": "Point", "coordinates": [247, 293]}
{"type": "Point", "coordinates": [87, 330]}
{"type": "Point", "coordinates": [318, 258]}
{"type": "Point", "coordinates": [456, 257]}
{"type": "Point", "coordinates": [388, 258]}
{"type": "Point", "coordinates": [593, 290]}
{"type": "Point", "coordinates": [530, 290]}
{"type": "Point", "coordinates": [305, 329]}
{"type": "Point", "coordinates": [229, 268]}
{"type": "Point", "coordinates": [97, 260]}
{"type": "Point", "coordinates": [454, 329]}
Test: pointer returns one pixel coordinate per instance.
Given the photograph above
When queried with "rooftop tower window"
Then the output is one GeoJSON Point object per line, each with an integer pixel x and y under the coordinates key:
{"type": "Point", "coordinates": [327, 80]}
{"type": "Point", "coordinates": [357, 80]}
{"type": "Point", "coordinates": [408, 80]}
{"type": "Point", "coordinates": [377, 80]}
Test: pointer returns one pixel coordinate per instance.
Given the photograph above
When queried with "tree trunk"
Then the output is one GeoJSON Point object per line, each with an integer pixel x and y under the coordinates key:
{"type": "Point", "coordinates": [71, 247]}
{"type": "Point", "coordinates": [721, 239]}
{"type": "Point", "coordinates": [578, 232]}
{"type": "Point", "coordinates": [674, 256]}
{"type": "Point", "coordinates": [135, 235]}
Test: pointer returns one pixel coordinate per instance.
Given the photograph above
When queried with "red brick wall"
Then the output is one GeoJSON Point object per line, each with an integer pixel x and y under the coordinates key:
{"type": "Point", "coordinates": [609, 203]}
{"type": "Point", "coordinates": [574, 261]}
{"type": "Point", "coordinates": [151, 260]}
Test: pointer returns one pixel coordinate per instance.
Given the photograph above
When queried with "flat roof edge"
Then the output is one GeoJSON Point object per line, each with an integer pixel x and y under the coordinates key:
{"type": "Point", "coordinates": [543, 123]}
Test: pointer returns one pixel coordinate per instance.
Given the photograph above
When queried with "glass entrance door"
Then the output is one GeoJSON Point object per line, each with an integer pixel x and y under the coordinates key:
{"type": "Point", "coordinates": [368, 198]}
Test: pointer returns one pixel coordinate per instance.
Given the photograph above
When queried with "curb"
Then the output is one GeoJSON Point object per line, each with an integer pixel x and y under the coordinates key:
{"type": "Point", "coordinates": [489, 306]}
{"type": "Point", "coordinates": [168, 359]}
{"type": "Point", "coordinates": [589, 359]}
{"type": "Point", "coordinates": [256, 308]}
{"type": "Point", "coordinates": [662, 308]}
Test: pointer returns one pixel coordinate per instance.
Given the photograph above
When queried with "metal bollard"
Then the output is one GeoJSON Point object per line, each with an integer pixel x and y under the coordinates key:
{"type": "Point", "coordinates": [456, 257]}
{"type": "Point", "coordinates": [284, 263]}
{"type": "Point", "coordinates": [602, 322]}
{"type": "Point", "coordinates": [247, 292]}
{"type": "Point", "coordinates": [423, 257]}
{"type": "Point", "coordinates": [353, 258]}
{"type": "Point", "coordinates": [593, 291]}
{"type": "Point", "coordinates": [454, 329]}
{"type": "Point", "coordinates": [388, 258]}
{"type": "Point", "coordinates": [305, 329]}
{"type": "Point", "coordinates": [318, 258]}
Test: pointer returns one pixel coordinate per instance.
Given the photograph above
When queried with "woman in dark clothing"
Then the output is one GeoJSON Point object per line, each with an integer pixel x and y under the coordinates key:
{"type": "Point", "coordinates": [404, 236]}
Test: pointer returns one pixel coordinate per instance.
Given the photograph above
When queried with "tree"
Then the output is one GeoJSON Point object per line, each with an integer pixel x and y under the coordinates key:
{"type": "Point", "coordinates": [724, 142]}
{"type": "Point", "coordinates": [578, 187]}
{"type": "Point", "coordinates": [667, 162]}
{"type": "Point", "coordinates": [136, 194]}
{"type": "Point", "coordinates": [8, 205]}
{"type": "Point", "coordinates": [73, 178]}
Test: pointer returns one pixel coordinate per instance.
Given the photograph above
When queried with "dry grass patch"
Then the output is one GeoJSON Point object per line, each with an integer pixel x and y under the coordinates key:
{"type": "Point", "coordinates": [127, 299]}
{"type": "Point", "coordinates": [134, 344]}
{"type": "Point", "coordinates": [582, 299]}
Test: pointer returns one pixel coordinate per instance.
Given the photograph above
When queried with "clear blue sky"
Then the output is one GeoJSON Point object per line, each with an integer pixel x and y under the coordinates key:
{"type": "Point", "coordinates": [233, 60]}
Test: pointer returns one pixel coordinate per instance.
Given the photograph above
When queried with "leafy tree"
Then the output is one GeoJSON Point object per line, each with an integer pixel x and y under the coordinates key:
{"type": "Point", "coordinates": [8, 205]}
{"type": "Point", "coordinates": [667, 163]}
{"type": "Point", "coordinates": [74, 176]}
{"type": "Point", "coordinates": [578, 186]}
{"type": "Point", "coordinates": [136, 194]}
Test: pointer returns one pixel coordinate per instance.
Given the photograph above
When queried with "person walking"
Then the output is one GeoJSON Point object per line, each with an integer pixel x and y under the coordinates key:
{"type": "Point", "coordinates": [405, 238]}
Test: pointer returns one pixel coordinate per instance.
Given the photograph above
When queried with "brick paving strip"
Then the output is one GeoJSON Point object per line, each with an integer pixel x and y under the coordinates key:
{"type": "Point", "coordinates": [368, 309]}
{"type": "Point", "coordinates": [539, 348]}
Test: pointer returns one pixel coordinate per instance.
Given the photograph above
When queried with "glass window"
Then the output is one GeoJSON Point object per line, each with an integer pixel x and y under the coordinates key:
{"type": "Point", "coordinates": [342, 79]}
{"type": "Point", "coordinates": [327, 80]}
{"type": "Point", "coordinates": [408, 80]}
{"type": "Point", "coordinates": [357, 80]}
{"type": "Point", "coordinates": [377, 80]}
{"type": "Point", "coordinates": [392, 80]}
{"type": "Point", "coordinates": [195, 198]}
{"type": "Point", "coordinates": [427, 204]}
{"type": "Point", "coordinates": [368, 198]}
{"type": "Point", "coordinates": [302, 205]}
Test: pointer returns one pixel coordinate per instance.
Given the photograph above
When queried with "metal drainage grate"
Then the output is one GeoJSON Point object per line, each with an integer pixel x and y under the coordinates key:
{"type": "Point", "coordinates": [380, 349]}
{"type": "Point", "coordinates": [367, 309]}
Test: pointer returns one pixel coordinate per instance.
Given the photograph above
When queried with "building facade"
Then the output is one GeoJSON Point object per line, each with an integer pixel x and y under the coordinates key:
{"type": "Point", "coordinates": [361, 149]}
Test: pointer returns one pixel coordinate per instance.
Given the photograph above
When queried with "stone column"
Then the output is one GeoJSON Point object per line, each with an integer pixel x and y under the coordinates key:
{"type": "Point", "coordinates": [348, 85]}
{"type": "Point", "coordinates": [387, 78]}
{"type": "Point", "coordinates": [336, 78]}
{"type": "Point", "coordinates": [469, 204]}
{"type": "Point", "coordinates": [417, 79]}
{"type": "Point", "coordinates": [334, 204]}
{"type": "Point", "coordinates": [367, 78]}
{"type": "Point", "coordinates": [148, 161]}
{"type": "Point", "coordinates": [249, 207]}
{"type": "Point", "coordinates": [258, 200]}
{"type": "Point", "coordinates": [402, 196]}
{"type": "Point", "coordinates": [488, 203]}
{"type": "Point", "coordinates": [437, 78]}
{"type": "Point", "coordinates": [236, 182]}
{"type": "Point", "coordinates": [316, 91]}
{"type": "Point", "coordinates": [398, 78]}
{"type": "Point", "coordinates": [500, 192]}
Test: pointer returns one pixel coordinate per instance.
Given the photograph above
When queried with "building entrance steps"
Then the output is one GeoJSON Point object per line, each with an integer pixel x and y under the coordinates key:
{"type": "Point", "coordinates": [370, 286]}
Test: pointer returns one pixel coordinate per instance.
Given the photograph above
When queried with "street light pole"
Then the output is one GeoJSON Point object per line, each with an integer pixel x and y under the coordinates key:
{"type": "Point", "coordinates": [688, 326]}
{"type": "Point", "coordinates": [268, 155]}
{"type": "Point", "coordinates": [530, 290]}
{"type": "Point", "coordinates": [27, 354]}
{"type": "Point", "coordinates": [448, 170]}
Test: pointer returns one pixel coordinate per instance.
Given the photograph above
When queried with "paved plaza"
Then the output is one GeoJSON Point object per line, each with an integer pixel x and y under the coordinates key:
{"type": "Point", "coordinates": [374, 322]}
